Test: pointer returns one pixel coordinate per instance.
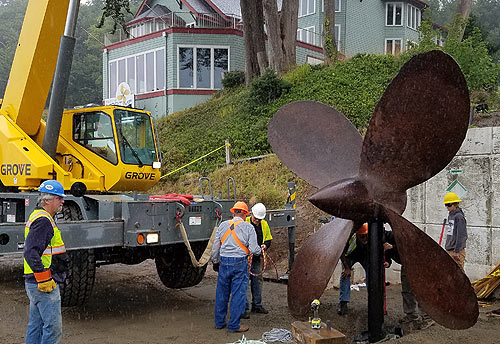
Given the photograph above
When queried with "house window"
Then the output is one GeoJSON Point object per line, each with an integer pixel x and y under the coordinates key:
{"type": "Point", "coordinates": [144, 72]}
{"type": "Point", "coordinates": [337, 34]}
{"type": "Point", "coordinates": [337, 5]}
{"type": "Point", "coordinates": [209, 63]}
{"type": "Point", "coordinates": [113, 84]}
{"type": "Point", "coordinates": [393, 46]}
{"type": "Point", "coordinates": [413, 17]}
{"type": "Point", "coordinates": [307, 35]}
{"type": "Point", "coordinates": [306, 7]}
{"type": "Point", "coordinates": [131, 73]}
{"type": "Point", "coordinates": [393, 13]}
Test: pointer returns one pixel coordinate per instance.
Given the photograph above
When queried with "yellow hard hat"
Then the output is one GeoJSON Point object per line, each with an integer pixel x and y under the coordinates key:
{"type": "Point", "coordinates": [451, 197]}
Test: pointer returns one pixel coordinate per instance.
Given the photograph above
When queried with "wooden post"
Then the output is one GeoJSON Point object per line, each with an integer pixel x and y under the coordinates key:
{"type": "Point", "coordinates": [228, 152]}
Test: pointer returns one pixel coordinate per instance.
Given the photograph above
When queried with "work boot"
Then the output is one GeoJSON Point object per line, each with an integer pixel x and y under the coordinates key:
{"type": "Point", "coordinates": [243, 328]}
{"type": "Point", "coordinates": [342, 308]}
{"type": "Point", "coordinates": [245, 315]}
{"type": "Point", "coordinates": [259, 310]}
{"type": "Point", "coordinates": [409, 318]}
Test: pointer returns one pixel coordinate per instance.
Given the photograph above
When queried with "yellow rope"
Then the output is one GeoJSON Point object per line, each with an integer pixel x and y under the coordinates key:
{"type": "Point", "coordinates": [192, 162]}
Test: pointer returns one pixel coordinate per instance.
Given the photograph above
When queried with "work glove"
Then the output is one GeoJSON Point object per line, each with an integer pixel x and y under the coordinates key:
{"type": "Point", "coordinates": [215, 266]}
{"type": "Point", "coordinates": [45, 282]}
{"type": "Point", "coordinates": [47, 286]}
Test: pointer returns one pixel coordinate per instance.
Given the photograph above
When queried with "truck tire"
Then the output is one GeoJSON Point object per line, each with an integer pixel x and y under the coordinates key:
{"type": "Point", "coordinates": [175, 268]}
{"type": "Point", "coordinates": [79, 279]}
{"type": "Point", "coordinates": [80, 276]}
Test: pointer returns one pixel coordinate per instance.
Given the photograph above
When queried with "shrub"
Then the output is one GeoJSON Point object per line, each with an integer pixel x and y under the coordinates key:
{"type": "Point", "coordinates": [267, 88]}
{"type": "Point", "coordinates": [233, 79]}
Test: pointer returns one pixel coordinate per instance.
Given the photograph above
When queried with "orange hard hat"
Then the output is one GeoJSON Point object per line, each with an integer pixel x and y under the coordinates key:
{"type": "Point", "coordinates": [242, 206]}
{"type": "Point", "coordinates": [363, 229]}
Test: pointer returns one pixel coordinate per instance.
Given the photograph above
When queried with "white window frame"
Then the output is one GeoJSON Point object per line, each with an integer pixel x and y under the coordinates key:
{"type": "Point", "coordinates": [394, 13]}
{"type": "Point", "coordinates": [307, 13]}
{"type": "Point", "coordinates": [195, 64]}
{"type": "Point", "coordinates": [136, 86]}
{"type": "Point", "coordinates": [413, 23]}
{"type": "Point", "coordinates": [338, 38]}
{"type": "Point", "coordinates": [393, 45]}
{"type": "Point", "coordinates": [307, 32]}
{"type": "Point", "coordinates": [323, 6]}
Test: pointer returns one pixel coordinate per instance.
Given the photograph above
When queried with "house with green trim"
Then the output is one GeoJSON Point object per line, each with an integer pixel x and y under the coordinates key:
{"type": "Point", "coordinates": [177, 51]}
{"type": "Point", "coordinates": [176, 54]}
{"type": "Point", "coordinates": [363, 26]}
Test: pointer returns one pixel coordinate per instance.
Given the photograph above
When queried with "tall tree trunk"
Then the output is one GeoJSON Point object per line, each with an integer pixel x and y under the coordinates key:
{"type": "Point", "coordinates": [254, 37]}
{"type": "Point", "coordinates": [329, 40]}
{"type": "Point", "coordinates": [273, 35]}
{"type": "Point", "coordinates": [288, 23]}
{"type": "Point", "coordinates": [463, 9]}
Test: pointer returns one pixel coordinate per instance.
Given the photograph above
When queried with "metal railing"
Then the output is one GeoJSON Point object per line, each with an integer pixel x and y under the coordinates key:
{"type": "Point", "coordinates": [314, 38]}
{"type": "Point", "coordinates": [174, 19]}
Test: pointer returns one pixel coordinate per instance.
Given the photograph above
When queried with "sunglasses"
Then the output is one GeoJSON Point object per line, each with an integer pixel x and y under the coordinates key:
{"type": "Point", "coordinates": [447, 205]}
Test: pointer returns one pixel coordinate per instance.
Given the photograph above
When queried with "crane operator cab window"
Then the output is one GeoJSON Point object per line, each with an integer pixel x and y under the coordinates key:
{"type": "Point", "coordinates": [94, 131]}
{"type": "Point", "coordinates": [134, 132]}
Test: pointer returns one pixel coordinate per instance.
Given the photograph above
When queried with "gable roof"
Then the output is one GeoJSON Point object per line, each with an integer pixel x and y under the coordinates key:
{"type": "Point", "coordinates": [225, 8]}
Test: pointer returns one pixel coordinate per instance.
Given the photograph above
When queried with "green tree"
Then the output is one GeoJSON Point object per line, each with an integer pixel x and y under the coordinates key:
{"type": "Point", "coordinates": [11, 17]}
{"type": "Point", "coordinates": [477, 65]}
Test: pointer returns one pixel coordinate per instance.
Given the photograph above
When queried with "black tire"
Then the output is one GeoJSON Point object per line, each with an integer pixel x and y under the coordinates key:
{"type": "Point", "coordinates": [80, 276]}
{"type": "Point", "coordinates": [175, 268]}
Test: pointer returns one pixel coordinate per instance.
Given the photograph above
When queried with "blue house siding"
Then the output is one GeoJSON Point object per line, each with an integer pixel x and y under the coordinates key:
{"type": "Point", "coordinates": [365, 30]}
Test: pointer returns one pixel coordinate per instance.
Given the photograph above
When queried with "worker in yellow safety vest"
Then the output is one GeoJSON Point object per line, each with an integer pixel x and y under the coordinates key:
{"type": "Point", "coordinates": [264, 239]}
{"type": "Point", "coordinates": [234, 240]}
{"type": "Point", "coordinates": [45, 263]}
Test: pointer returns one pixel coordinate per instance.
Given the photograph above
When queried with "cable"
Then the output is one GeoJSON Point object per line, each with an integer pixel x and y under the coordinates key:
{"type": "Point", "coordinates": [277, 335]}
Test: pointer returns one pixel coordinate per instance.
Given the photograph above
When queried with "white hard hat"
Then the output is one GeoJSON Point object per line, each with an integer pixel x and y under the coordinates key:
{"type": "Point", "coordinates": [259, 211]}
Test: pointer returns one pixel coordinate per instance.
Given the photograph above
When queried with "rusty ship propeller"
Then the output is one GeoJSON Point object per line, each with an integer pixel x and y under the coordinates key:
{"type": "Point", "coordinates": [416, 128]}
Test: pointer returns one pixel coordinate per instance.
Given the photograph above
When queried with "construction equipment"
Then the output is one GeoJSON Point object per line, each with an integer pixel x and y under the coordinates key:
{"type": "Point", "coordinates": [316, 320]}
{"type": "Point", "coordinates": [365, 180]}
{"type": "Point", "coordinates": [94, 152]}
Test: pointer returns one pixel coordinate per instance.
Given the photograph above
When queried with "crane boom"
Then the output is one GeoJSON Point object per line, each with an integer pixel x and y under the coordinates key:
{"type": "Point", "coordinates": [34, 64]}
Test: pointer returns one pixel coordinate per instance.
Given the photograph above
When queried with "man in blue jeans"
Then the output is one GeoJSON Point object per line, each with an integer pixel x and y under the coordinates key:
{"type": "Point", "coordinates": [355, 251]}
{"type": "Point", "coordinates": [234, 240]}
{"type": "Point", "coordinates": [264, 239]}
{"type": "Point", "coordinates": [45, 263]}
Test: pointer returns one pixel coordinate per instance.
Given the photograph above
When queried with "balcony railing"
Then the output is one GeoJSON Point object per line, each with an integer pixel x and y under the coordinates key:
{"type": "Point", "coordinates": [173, 19]}
{"type": "Point", "coordinates": [314, 38]}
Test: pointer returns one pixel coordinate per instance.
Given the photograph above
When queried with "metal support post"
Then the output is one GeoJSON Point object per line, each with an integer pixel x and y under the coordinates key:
{"type": "Point", "coordinates": [375, 282]}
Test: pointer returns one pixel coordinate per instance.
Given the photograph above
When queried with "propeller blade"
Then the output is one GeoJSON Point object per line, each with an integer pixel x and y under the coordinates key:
{"type": "Point", "coordinates": [441, 288]}
{"type": "Point", "coordinates": [417, 126]}
{"type": "Point", "coordinates": [315, 141]}
{"type": "Point", "coordinates": [314, 265]}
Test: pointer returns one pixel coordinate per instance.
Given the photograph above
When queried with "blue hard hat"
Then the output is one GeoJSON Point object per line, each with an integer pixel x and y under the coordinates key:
{"type": "Point", "coordinates": [52, 187]}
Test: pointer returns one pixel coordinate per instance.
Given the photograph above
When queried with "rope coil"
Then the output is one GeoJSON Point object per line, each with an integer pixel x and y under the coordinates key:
{"type": "Point", "coordinates": [266, 256]}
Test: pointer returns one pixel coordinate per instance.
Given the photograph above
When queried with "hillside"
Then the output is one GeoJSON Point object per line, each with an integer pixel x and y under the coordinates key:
{"type": "Point", "coordinates": [241, 115]}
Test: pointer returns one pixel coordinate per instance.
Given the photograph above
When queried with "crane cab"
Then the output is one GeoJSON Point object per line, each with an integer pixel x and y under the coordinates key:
{"type": "Point", "coordinates": [109, 148]}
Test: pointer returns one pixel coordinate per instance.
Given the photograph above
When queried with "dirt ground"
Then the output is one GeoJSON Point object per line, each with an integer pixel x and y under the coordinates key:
{"type": "Point", "coordinates": [491, 119]}
{"type": "Point", "coordinates": [130, 305]}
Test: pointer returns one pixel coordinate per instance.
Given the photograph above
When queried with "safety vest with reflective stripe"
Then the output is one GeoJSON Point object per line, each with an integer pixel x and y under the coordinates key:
{"type": "Point", "coordinates": [56, 245]}
{"type": "Point", "coordinates": [352, 245]}
{"type": "Point", "coordinates": [235, 237]}
{"type": "Point", "coordinates": [266, 231]}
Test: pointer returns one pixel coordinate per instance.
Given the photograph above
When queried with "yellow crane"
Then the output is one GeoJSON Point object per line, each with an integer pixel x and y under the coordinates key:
{"type": "Point", "coordinates": [104, 148]}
